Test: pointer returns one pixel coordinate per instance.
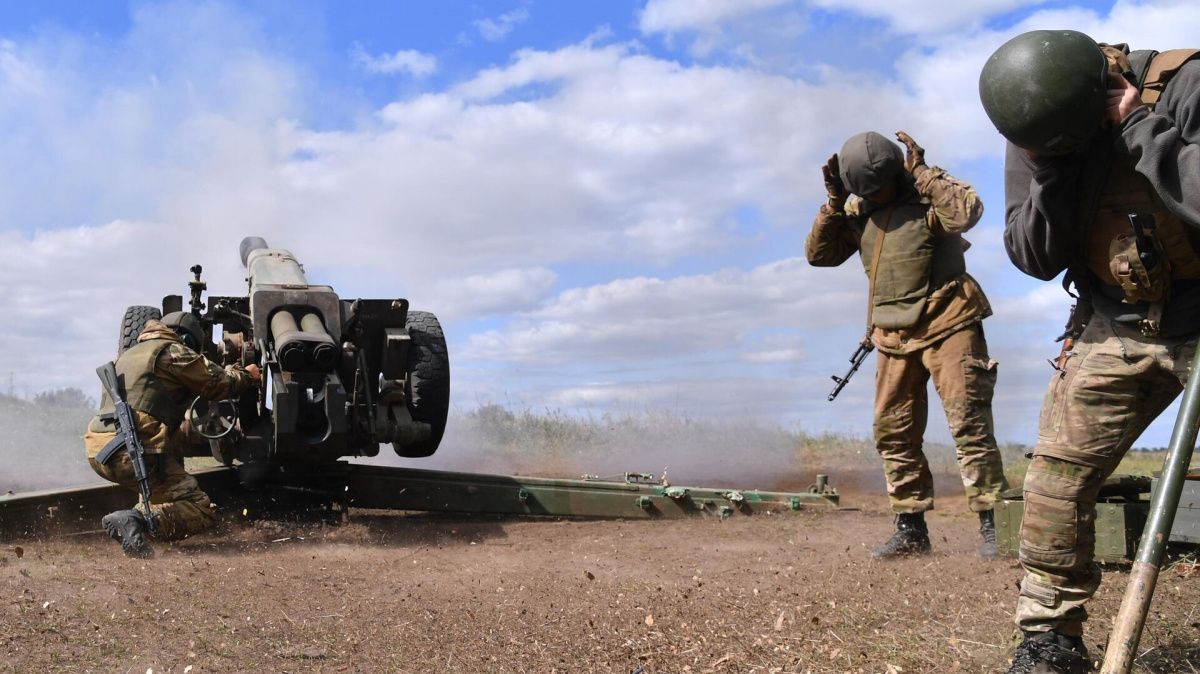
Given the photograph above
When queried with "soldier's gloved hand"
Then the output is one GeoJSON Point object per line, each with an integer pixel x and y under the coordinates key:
{"type": "Point", "coordinates": [831, 173]}
{"type": "Point", "coordinates": [914, 155]}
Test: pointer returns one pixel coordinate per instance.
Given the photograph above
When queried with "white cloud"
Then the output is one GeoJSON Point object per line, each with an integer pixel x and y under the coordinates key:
{"type": "Point", "coordinates": [495, 30]}
{"type": "Point", "coordinates": [644, 318]}
{"type": "Point", "coordinates": [1046, 302]}
{"type": "Point", "coordinates": [775, 349]}
{"type": "Point", "coordinates": [617, 156]}
{"type": "Point", "coordinates": [65, 293]}
{"type": "Point", "coordinates": [922, 17]}
{"type": "Point", "coordinates": [407, 61]}
{"type": "Point", "coordinates": [743, 29]}
{"type": "Point", "coordinates": [669, 16]}
{"type": "Point", "coordinates": [19, 75]}
{"type": "Point", "coordinates": [1144, 24]}
{"type": "Point", "coordinates": [504, 292]}
{"type": "Point", "coordinates": [480, 200]}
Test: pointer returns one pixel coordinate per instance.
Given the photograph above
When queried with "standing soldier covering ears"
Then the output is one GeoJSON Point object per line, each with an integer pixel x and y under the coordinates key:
{"type": "Point", "coordinates": [1101, 178]}
{"type": "Point", "coordinates": [160, 375]}
{"type": "Point", "coordinates": [924, 315]}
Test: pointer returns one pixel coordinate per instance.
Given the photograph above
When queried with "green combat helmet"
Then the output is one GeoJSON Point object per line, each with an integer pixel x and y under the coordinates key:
{"type": "Point", "coordinates": [1045, 90]}
{"type": "Point", "coordinates": [187, 327]}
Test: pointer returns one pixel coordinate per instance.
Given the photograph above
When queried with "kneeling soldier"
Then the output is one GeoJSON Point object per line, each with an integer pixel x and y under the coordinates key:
{"type": "Point", "coordinates": [161, 375]}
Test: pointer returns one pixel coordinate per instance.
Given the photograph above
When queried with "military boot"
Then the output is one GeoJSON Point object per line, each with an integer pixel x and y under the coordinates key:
{"type": "Point", "coordinates": [129, 527]}
{"type": "Point", "coordinates": [911, 538]}
{"type": "Point", "coordinates": [1050, 653]}
{"type": "Point", "coordinates": [987, 531]}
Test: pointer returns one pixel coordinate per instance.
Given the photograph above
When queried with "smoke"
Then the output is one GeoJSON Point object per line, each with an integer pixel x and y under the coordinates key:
{"type": "Point", "coordinates": [41, 448]}
{"type": "Point", "coordinates": [41, 445]}
{"type": "Point", "coordinates": [748, 454]}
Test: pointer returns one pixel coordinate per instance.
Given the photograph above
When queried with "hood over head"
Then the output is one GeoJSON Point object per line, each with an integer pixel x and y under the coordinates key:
{"type": "Point", "coordinates": [869, 161]}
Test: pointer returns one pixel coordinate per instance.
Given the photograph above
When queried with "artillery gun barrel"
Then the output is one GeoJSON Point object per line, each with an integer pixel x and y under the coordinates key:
{"type": "Point", "coordinates": [324, 353]}
{"type": "Point", "coordinates": [270, 266]}
{"type": "Point", "coordinates": [290, 351]}
{"type": "Point", "coordinates": [298, 312]}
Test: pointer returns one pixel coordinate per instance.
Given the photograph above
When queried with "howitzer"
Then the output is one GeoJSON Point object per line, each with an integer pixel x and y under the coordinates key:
{"type": "Point", "coordinates": [865, 347]}
{"type": "Point", "coordinates": [1131, 618]}
{"type": "Point", "coordinates": [340, 377]}
{"type": "Point", "coordinates": [127, 437]}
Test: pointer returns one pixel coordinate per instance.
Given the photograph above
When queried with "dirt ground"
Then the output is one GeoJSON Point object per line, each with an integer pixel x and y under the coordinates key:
{"type": "Point", "coordinates": [420, 593]}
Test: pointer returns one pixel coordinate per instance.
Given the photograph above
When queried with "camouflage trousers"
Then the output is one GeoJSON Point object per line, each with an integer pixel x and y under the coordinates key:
{"type": "Point", "coordinates": [179, 505]}
{"type": "Point", "coordinates": [1114, 383]}
{"type": "Point", "coordinates": [964, 377]}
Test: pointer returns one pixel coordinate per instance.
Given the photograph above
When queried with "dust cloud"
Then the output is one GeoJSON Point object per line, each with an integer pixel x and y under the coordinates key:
{"type": "Point", "coordinates": [41, 445]}
{"type": "Point", "coordinates": [41, 448]}
{"type": "Point", "coordinates": [748, 454]}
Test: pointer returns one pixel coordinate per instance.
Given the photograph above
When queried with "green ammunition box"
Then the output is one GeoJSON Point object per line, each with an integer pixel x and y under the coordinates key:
{"type": "Point", "coordinates": [1186, 528]}
{"type": "Point", "coordinates": [1120, 518]}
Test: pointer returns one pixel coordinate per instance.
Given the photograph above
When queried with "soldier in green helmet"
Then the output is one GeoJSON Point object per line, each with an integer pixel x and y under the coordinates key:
{"type": "Point", "coordinates": [162, 373]}
{"type": "Point", "coordinates": [1100, 174]}
{"type": "Point", "coordinates": [924, 312]}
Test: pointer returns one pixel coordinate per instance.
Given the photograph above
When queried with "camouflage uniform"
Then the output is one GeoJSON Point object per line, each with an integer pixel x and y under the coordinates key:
{"type": "Point", "coordinates": [180, 507]}
{"type": "Point", "coordinates": [1133, 357]}
{"type": "Point", "coordinates": [925, 325]}
{"type": "Point", "coordinates": [1114, 383]}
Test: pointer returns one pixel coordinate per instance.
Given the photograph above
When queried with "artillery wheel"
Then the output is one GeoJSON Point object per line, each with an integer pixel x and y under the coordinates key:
{"type": "Point", "coordinates": [428, 381]}
{"type": "Point", "coordinates": [212, 419]}
{"type": "Point", "coordinates": [133, 323]}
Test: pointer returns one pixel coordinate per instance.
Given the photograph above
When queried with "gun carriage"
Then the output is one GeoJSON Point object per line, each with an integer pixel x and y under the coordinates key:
{"type": "Point", "coordinates": [340, 377]}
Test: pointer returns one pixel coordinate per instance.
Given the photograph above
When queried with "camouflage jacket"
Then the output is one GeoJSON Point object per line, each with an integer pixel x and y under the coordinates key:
{"type": "Point", "coordinates": [183, 373]}
{"type": "Point", "coordinates": [951, 208]}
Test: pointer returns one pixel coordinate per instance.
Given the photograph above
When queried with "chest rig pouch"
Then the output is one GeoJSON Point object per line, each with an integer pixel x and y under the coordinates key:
{"type": "Point", "coordinates": [1137, 262]}
{"type": "Point", "coordinates": [1135, 242]}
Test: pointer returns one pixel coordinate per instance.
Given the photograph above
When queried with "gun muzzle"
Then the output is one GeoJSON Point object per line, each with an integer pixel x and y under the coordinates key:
{"type": "Point", "coordinates": [302, 347]}
{"type": "Point", "coordinates": [324, 351]}
{"type": "Point", "coordinates": [249, 245]}
{"type": "Point", "coordinates": [290, 351]}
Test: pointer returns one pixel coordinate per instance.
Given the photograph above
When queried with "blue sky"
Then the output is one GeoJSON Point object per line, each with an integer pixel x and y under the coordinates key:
{"type": "Point", "coordinates": [605, 202]}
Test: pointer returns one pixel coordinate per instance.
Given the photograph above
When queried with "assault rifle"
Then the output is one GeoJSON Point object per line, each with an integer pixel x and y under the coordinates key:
{"type": "Point", "coordinates": [865, 347]}
{"type": "Point", "coordinates": [127, 437]}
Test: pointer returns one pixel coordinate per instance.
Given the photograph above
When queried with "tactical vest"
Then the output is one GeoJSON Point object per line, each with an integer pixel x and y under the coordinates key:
{"type": "Point", "coordinates": [143, 390]}
{"type": "Point", "coordinates": [905, 262]}
{"type": "Point", "coordinates": [1169, 247]}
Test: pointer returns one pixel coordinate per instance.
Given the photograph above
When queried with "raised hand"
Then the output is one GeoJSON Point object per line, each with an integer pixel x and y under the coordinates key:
{"type": "Point", "coordinates": [834, 187]}
{"type": "Point", "coordinates": [1123, 99]}
{"type": "Point", "coordinates": [914, 155]}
